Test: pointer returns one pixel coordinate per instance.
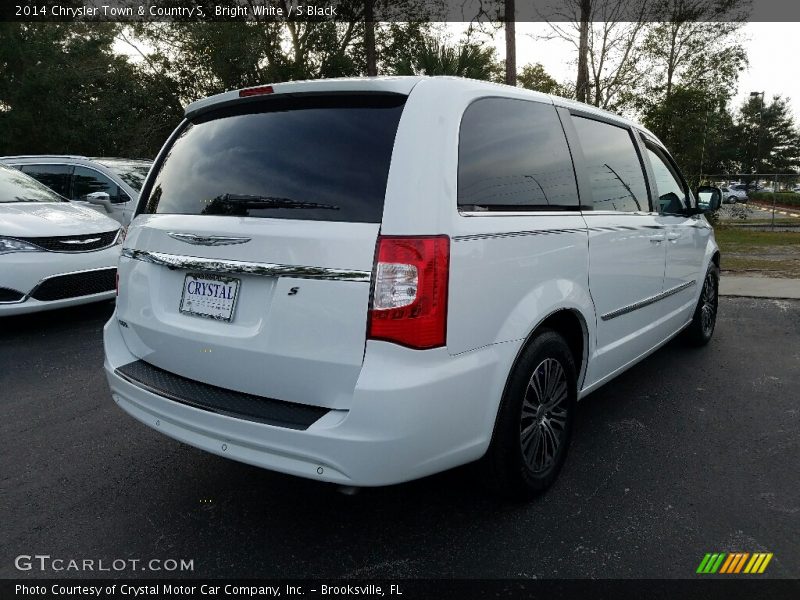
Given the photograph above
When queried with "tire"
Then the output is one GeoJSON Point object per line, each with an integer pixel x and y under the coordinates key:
{"type": "Point", "coordinates": [536, 414]}
{"type": "Point", "coordinates": [701, 329]}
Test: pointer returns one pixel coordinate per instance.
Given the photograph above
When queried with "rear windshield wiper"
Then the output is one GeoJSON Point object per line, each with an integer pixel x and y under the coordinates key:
{"type": "Point", "coordinates": [240, 204]}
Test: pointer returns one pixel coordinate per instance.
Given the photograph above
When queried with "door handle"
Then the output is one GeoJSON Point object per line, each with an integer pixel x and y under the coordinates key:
{"type": "Point", "coordinates": [656, 239]}
{"type": "Point", "coordinates": [672, 236]}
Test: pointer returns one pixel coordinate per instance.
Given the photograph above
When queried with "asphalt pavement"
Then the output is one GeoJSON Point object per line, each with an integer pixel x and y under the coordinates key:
{"type": "Point", "coordinates": [691, 451]}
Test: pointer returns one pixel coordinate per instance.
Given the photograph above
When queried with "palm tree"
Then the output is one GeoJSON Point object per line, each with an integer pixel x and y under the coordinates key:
{"type": "Point", "coordinates": [463, 60]}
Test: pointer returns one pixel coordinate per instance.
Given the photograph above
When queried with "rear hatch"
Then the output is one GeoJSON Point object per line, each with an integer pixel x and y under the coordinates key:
{"type": "Point", "coordinates": [249, 264]}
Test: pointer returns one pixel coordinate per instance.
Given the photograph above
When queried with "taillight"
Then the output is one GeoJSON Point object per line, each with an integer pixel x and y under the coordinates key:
{"type": "Point", "coordinates": [409, 298]}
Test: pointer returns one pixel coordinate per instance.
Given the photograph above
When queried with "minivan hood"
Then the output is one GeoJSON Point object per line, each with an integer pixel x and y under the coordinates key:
{"type": "Point", "coordinates": [45, 219]}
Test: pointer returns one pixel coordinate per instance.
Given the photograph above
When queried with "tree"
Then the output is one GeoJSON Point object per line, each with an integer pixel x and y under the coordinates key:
{"type": "Point", "coordinates": [690, 34]}
{"type": "Point", "coordinates": [63, 90]}
{"type": "Point", "coordinates": [582, 81]}
{"type": "Point", "coordinates": [369, 38]}
{"type": "Point", "coordinates": [511, 43]}
{"type": "Point", "coordinates": [769, 141]}
{"type": "Point", "coordinates": [534, 77]}
{"type": "Point", "coordinates": [466, 59]}
{"type": "Point", "coordinates": [606, 35]}
{"type": "Point", "coordinates": [694, 57]}
{"type": "Point", "coordinates": [694, 43]}
{"type": "Point", "coordinates": [702, 141]}
{"type": "Point", "coordinates": [211, 57]}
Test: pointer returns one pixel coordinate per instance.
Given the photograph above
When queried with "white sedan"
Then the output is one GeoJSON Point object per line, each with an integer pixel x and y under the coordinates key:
{"type": "Point", "coordinates": [52, 253]}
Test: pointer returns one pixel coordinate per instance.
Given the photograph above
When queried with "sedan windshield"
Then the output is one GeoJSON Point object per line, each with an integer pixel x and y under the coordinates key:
{"type": "Point", "coordinates": [15, 186]}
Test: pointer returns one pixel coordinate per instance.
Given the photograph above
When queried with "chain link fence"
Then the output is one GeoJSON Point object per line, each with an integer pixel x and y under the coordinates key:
{"type": "Point", "coordinates": [771, 199]}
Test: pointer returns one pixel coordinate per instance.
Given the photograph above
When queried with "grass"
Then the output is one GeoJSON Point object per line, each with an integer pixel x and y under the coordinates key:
{"type": "Point", "coordinates": [769, 253]}
{"type": "Point", "coordinates": [737, 236]}
{"type": "Point", "coordinates": [787, 268]}
{"type": "Point", "coordinates": [779, 220]}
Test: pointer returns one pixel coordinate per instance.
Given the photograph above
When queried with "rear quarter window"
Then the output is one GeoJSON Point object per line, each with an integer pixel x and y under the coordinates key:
{"type": "Point", "coordinates": [513, 156]}
{"type": "Point", "coordinates": [315, 158]}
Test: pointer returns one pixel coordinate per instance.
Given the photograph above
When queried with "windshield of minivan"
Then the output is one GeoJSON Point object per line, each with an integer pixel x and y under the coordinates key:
{"type": "Point", "coordinates": [15, 186]}
{"type": "Point", "coordinates": [314, 158]}
{"type": "Point", "coordinates": [131, 172]}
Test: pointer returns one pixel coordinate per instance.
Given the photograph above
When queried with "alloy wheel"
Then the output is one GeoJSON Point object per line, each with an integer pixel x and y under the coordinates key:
{"type": "Point", "coordinates": [544, 415]}
{"type": "Point", "coordinates": [708, 306]}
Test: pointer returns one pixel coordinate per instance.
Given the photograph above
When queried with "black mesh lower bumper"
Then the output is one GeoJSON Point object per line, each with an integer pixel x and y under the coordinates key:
{"type": "Point", "coordinates": [9, 295]}
{"type": "Point", "coordinates": [220, 400]}
{"type": "Point", "coordinates": [75, 285]}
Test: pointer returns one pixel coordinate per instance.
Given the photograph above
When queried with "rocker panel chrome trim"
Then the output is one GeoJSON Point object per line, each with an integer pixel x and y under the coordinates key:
{"type": "Point", "coordinates": [646, 302]}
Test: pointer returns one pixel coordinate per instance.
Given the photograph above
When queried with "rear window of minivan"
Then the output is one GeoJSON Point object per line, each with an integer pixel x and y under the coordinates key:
{"type": "Point", "coordinates": [309, 158]}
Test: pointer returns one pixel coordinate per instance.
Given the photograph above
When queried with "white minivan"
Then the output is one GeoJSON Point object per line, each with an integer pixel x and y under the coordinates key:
{"type": "Point", "coordinates": [366, 281]}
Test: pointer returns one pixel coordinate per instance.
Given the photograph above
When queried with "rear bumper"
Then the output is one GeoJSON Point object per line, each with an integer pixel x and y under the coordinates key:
{"type": "Point", "coordinates": [412, 414]}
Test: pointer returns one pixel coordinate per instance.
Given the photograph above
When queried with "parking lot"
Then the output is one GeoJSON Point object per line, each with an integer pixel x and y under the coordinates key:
{"type": "Point", "coordinates": [692, 451]}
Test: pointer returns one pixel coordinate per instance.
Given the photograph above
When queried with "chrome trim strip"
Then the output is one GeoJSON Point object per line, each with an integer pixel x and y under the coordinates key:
{"type": "Point", "coordinates": [620, 213]}
{"type": "Point", "coordinates": [80, 242]}
{"type": "Point", "coordinates": [207, 240]}
{"type": "Point", "coordinates": [647, 301]}
{"type": "Point", "coordinates": [518, 213]}
{"type": "Point", "coordinates": [506, 234]}
{"type": "Point", "coordinates": [240, 267]}
{"type": "Point", "coordinates": [43, 279]}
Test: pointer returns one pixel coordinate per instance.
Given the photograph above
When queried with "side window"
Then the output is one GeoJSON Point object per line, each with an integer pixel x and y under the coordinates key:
{"type": "Point", "coordinates": [86, 181]}
{"type": "Point", "coordinates": [513, 156]}
{"type": "Point", "coordinates": [613, 166]}
{"type": "Point", "coordinates": [56, 177]}
{"type": "Point", "coordinates": [671, 192]}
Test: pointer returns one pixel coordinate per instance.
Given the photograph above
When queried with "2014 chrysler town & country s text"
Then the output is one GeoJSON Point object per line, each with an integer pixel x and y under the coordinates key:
{"type": "Point", "coordinates": [367, 281]}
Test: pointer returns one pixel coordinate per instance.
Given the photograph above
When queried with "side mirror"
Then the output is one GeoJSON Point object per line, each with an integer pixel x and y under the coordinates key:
{"type": "Point", "coordinates": [101, 199]}
{"type": "Point", "coordinates": [709, 199]}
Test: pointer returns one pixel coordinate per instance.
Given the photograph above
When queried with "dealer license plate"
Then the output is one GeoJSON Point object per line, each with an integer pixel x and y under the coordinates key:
{"type": "Point", "coordinates": [209, 296]}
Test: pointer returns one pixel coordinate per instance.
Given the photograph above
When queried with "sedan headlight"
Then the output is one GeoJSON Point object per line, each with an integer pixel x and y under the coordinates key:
{"type": "Point", "coordinates": [9, 245]}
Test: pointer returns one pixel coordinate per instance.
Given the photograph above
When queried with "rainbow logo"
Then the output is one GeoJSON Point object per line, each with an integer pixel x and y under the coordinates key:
{"type": "Point", "coordinates": [734, 563]}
